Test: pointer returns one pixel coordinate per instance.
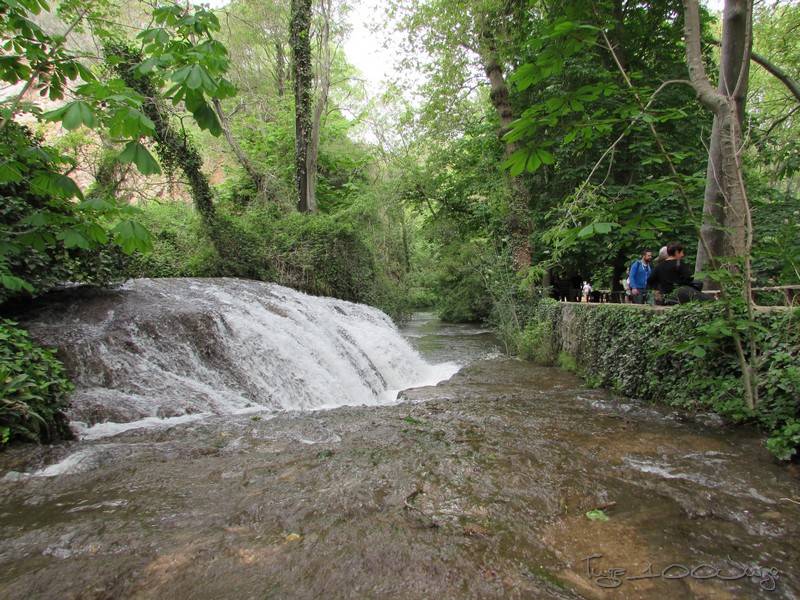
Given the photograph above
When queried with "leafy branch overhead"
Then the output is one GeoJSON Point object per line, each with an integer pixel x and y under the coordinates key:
{"type": "Point", "coordinates": [187, 67]}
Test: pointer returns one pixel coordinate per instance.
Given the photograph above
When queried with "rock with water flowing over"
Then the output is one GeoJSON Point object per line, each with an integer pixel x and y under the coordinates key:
{"type": "Point", "coordinates": [173, 348]}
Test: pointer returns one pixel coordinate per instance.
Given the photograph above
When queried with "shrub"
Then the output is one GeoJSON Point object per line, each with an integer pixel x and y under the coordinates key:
{"type": "Point", "coordinates": [536, 343]}
{"type": "Point", "coordinates": [567, 362]}
{"type": "Point", "coordinates": [45, 237]}
{"type": "Point", "coordinates": [784, 441]}
{"type": "Point", "coordinates": [318, 254]}
{"type": "Point", "coordinates": [33, 389]}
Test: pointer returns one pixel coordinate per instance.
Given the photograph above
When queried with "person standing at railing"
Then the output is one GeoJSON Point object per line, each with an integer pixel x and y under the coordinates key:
{"type": "Point", "coordinates": [674, 278]}
{"type": "Point", "coordinates": [639, 273]}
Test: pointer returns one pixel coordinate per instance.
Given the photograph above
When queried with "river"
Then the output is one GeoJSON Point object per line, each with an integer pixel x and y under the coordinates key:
{"type": "Point", "coordinates": [478, 487]}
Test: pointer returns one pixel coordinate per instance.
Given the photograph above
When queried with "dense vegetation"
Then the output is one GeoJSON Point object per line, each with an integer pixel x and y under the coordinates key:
{"type": "Point", "coordinates": [531, 146]}
{"type": "Point", "coordinates": [33, 389]}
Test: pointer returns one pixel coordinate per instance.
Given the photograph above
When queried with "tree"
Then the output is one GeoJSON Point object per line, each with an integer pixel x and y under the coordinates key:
{"type": "Point", "coordinates": [323, 84]}
{"type": "Point", "coordinates": [470, 44]}
{"type": "Point", "coordinates": [178, 48]}
{"type": "Point", "coordinates": [519, 223]}
{"type": "Point", "coordinates": [726, 230]}
{"type": "Point", "coordinates": [726, 201]}
{"type": "Point", "coordinates": [300, 41]}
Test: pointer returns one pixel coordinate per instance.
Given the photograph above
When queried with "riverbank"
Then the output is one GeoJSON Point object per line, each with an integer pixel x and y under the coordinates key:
{"type": "Point", "coordinates": [680, 356]}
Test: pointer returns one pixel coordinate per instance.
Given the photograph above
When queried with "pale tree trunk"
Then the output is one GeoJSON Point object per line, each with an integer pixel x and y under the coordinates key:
{"type": "Point", "coordinates": [723, 230]}
{"type": "Point", "coordinates": [302, 76]}
{"type": "Point", "coordinates": [260, 179]}
{"type": "Point", "coordinates": [323, 88]}
{"type": "Point", "coordinates": [280, 68]}
{"type": "Point", "coordinates": [519, 224]}
{"type": "Point", "coordinates": [725, 168]}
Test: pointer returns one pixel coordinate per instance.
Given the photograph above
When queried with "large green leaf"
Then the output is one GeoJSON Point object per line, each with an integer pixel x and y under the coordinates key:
{"type": "Point", "coordinates": [55, 184]}
{"type": "Point", "coordinates": [132, 237]}
{"type": "Point", "coordinates": [207, 119]}
{"type": "Point", "coordinates": [15, 283]}
{"type": "Point", "coordinates": [72, 115]}
{"type": "Point", "coordinates": [9, 172]}
{"type": "Point", "coordinates": [74, 239]}
{"type": "Point", "coordinates": [137, 154]}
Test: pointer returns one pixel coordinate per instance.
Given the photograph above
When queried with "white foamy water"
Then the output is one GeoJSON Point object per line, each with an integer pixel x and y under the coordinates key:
{"type": "Point", "coordinates": [162, 352]}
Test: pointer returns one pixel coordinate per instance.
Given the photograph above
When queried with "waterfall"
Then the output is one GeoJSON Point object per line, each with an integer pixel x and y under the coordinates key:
{"type": "Point", "coordinates": [180, 349]}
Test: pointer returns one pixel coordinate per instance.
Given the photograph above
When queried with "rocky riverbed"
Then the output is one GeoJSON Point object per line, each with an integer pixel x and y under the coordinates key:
{"type": "Point", "coordinates": [506, 481]}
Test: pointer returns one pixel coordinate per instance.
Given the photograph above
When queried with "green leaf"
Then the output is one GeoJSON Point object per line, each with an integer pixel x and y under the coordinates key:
{"type": "Point", "coordinates": [194, 79]}
{"type": "Point", "coordinates": [74, 239]}
{"type": "Point", "coordinates": [180, 75]}
{"type": "Point", "coordinates": [545, 157]}
{"type": "Point", "coordinates": [38, 219]}
{"type": "Point", "coordinates": [15, 283]}
{"type": "Point", "coordinates": [596, 515]}
{"type": "Point", "coordinates": [9, 172]}
{"type": "Point", "coordinates": [132, 237]}
{"type": "Point", "coordinates": [698, 351]}
{"type": "Point", "coordinates": [96, 203]}
{"type": "Point", "coordinates": [147, 65]}
{"type": "Point", "coordinates": [603, 228]}
{"type": "Point", "coordinates": [55, 184]}
{"type": "Point", "coordinates": [130, 122]}
{"type": "Point", "coordinates": [137, 154]}
{"type": "Point", "coordinates": [207, 119]}
{"type": "Point", "coordinates": [73, 115]}
{"type": "Point", "coordinates": [586, 231]}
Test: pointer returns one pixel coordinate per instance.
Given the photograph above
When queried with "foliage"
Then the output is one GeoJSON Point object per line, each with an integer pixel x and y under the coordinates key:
{"type": "Point", "coordinates": [567, 362]}
{"type": "Point", "coordinates": [40, 219]}
{"type": "Point", "coordinates": [45, 238]}
{"type": "Point", "coordinates": [775, 125]}
{"type": "Point", "coordinates": [33, 389]}
{"type": "Point", "coordinates": [538, 341]}
{"type": "Point", "coordinates": [320, 254]}
{"type": "Point", "coordinates": [459, 282]}
{"type": "Point", "coordinates": [786, 440]}
{"type": "Point", "coordinates": [644, 354]}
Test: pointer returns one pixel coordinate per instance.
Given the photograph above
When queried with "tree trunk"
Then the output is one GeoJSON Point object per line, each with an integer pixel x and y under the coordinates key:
{"type": "Point", "coordinates": [323, 87]}
{"type": "Point", "coordinates": [723, 229]}
{"type": "Point", "coordinates": [519, 224]}
{"type": "Point", "coordinates": [259, 179]}
{"type": "Point", "coordinates": [173, 149]}
{"type": "Point", "coordinates": [280, 68]}
{"type": "Point", "coordinates": [726, 103]}
{"type": "Point", "coordinates": [301, 70]}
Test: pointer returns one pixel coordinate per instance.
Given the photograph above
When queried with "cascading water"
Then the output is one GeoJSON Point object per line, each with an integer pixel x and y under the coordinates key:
{"type": "Point", "coordinates": [178, 349]}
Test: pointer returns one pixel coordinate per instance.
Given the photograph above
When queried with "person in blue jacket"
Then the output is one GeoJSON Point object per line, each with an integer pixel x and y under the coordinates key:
{"type": "Point", "coordinates": [639, 272]}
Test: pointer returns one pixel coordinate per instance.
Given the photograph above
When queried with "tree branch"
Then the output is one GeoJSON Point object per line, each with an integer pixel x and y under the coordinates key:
{"type": "Point", "coordinates": [774, 70]}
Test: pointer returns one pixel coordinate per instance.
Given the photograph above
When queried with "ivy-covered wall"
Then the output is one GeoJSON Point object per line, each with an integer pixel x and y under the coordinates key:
{"type": "Point", "coordinates": [682, 356]}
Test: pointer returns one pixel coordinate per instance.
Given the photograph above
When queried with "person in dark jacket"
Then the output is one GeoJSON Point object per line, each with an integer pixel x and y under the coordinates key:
{"type": "Point", "coordinates": [673, 278]}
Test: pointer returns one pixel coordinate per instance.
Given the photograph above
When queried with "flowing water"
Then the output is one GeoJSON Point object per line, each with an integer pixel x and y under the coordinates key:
{"type": "Point", "coordinates": [212, 465]}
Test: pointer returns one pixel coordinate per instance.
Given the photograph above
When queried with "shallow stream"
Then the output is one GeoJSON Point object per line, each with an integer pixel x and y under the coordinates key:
{"type": "Point", "coordinates": [478, 487]}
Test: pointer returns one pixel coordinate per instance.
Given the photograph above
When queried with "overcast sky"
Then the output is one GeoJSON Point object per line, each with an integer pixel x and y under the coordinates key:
{"type": "Point", "coordinates": [365, 48]}
{"type": "Point", "coordinates": [371, 51]}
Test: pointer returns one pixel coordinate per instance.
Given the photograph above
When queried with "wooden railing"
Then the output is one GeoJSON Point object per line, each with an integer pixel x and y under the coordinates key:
{"type": "Point", "coordinates": [791, 295]}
